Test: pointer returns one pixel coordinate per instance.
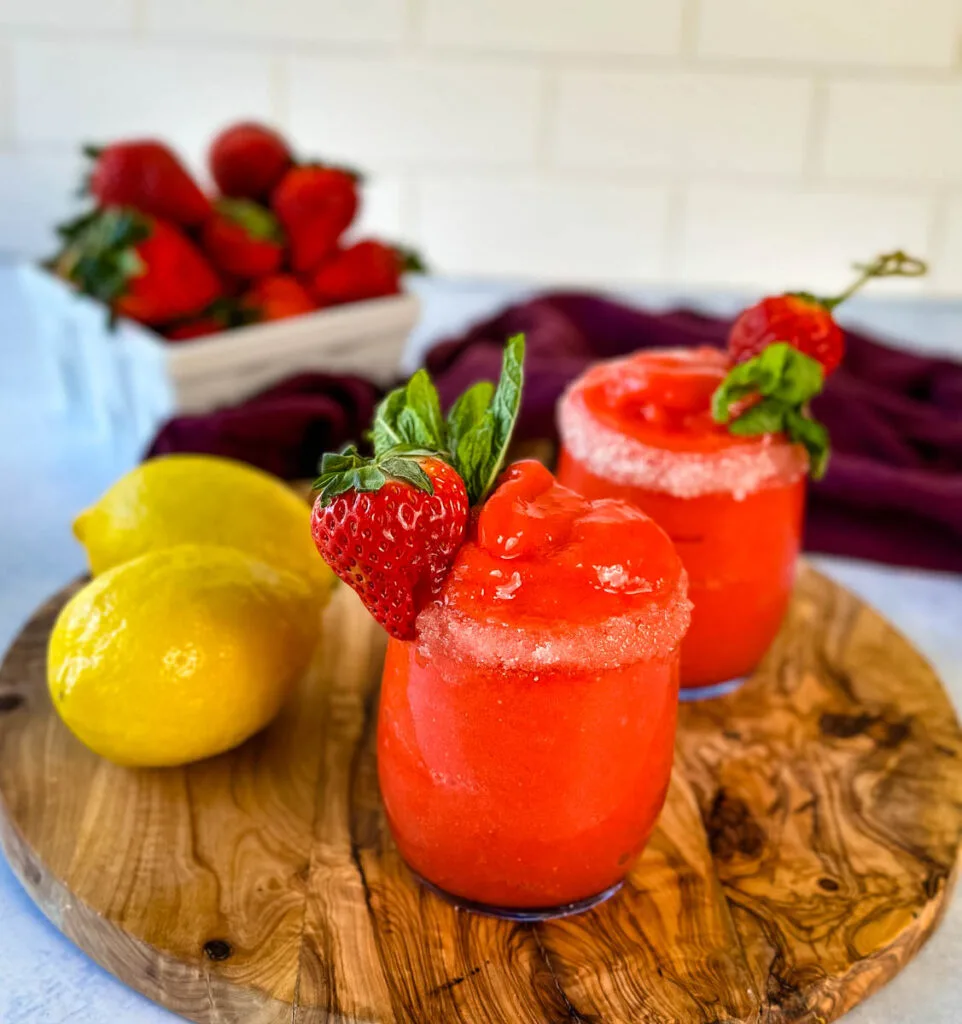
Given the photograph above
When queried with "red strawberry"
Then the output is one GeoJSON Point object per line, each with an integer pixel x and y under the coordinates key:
{"type": "Point", "coordinates": [276, 298]}
{"type": "Point", "coordinates": [366, 270]}
{"type": "Point", "coordinates": [805, 321]}
{"type": "Point", "coordinates": [248, 159]}
{"type": "Point", "coordinates": [390, 527]}
{"type": "Point", "coordinates": [243, 239]}
{"type": "Point", "coordinates": [146, 175]}
{"type": "Point", "coordinates": [140, 266]}
{"type": "Point", "coordinates": [219, 316]}
{"type": "Point", "coordinates": [200, 327]}
{"type": "Point", "coordinates": [315, 205]}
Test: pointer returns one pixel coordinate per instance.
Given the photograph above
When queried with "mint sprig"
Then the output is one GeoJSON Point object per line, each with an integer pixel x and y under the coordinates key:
{"type": "Point", "coordinates": [784, 380]}
{"type": "Point", "coordinates": [475, 436]}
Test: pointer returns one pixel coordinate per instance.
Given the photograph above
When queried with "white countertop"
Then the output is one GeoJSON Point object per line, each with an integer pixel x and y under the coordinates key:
{"type": "Point", "coordinates": [51, 467]}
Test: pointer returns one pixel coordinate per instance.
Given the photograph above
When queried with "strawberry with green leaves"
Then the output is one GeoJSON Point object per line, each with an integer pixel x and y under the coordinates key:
{"type": "Point", "coordinates": [140, 266]}
{"type": "Point", "coordinates": [805, 321]}
{"type": "Point", "coordinates": [391, 526]}
{"type": "Point", "coordinates": [243, 239]}
{"type": "Point", "coordinates": [783, 348]}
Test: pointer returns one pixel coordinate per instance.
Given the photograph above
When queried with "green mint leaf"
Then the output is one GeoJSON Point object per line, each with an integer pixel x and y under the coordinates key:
{"type": "Point", "coordinates": [813, 436]}
{"type": "Point", "coordinates": [410, 415]}
{"type": "Point", "coordinates": [415, 430]}
{"type": "Point", "coordinates": [786, 380]}
{"type": "Point", "coordinates": [767, 417]}
{"type": "Point", "coordinates": [474, 458]}
{"type": "Point", "coordinates": [785, 373]}
{"type": "Point", "coordinates": [502, 414]}
{"type": "Point", "coordinates": [742, 380]}
{"type": "Point", "coordinates": [468, 411]}
{"type": "Point", "coordinates": [385, 432]}
{"type": "Point", "coordinates": [422, 397]}
{"type": "Point", "coordinates": [409, 471]}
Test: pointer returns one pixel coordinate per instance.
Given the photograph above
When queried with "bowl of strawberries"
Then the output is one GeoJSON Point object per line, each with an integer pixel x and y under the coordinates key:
{"type": "Point", "coordinates": [163, 298]}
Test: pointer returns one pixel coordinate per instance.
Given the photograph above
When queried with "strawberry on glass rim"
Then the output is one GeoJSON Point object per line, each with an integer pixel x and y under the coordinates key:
{"type": "Point", "coordinates": [784, 348]}
{"type": "Point", "coordinates": [390, 526]}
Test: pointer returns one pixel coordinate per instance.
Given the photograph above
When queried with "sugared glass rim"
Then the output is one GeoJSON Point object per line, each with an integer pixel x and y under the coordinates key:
{"type": "Point", "coordinates": [738, 470]}
{"type": "Point", "coordinates": [652, 633]}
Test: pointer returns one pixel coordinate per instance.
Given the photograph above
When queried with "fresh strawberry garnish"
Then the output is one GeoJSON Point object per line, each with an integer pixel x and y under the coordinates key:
{"type": "Point", "coordinates": [366, 270]}
{"type": "Point", "coordinates": [140, 266]}
{"type": "Point", "coordinates": [276, 298]}
{"type": "Point", "coordinates": [391, 526]}
{"type": "Point", "coordinates": [146, 175]}
{"type": "Point", "coordinates": [243, 239]}
{"type": "Point", "coordinates": [805, 321]}
{"type": "Point", "coordinates": [316, 206]}
{"type": "Point", "coordinates": [247, 160]}
{"type": "Point", "coordinates": [784, 347]}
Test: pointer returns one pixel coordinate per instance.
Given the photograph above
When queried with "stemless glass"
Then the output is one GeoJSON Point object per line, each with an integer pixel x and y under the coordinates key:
{"type": "Point", "coordinates": [525, 738]}
{"type": "Point", "coordinates": [640, 429]}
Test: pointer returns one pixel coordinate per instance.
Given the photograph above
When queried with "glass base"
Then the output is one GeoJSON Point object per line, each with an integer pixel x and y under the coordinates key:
{"type": "Point", "coordinates": [722, 689]}
{"type": "Point", "coordinates": [520, 913]}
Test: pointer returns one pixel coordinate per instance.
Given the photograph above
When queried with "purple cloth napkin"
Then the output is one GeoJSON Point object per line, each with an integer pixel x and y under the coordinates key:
{"type": "Point", "coordinates": [284, 429]}
{"type": "Point", "coordinates": [893, 491]}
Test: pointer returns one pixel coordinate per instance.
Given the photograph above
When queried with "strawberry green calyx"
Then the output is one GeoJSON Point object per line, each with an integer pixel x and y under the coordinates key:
{"type": "Point", "coordinates": [101, 250]}
{"type": "Point", "coordinates": [255, 219]}
{"type": "Point", "coordinates": [776, 386]}
{"type": "Point", "coordinates": [474, 437]}
{"type": "Point", "coordinates": [347, 470]}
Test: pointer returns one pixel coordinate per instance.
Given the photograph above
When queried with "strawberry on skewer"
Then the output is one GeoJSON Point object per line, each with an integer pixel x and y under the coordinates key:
{"type": "Point", "coordinates": [805, 321]}
{"type": "Point", "coordinates": [783, 349]}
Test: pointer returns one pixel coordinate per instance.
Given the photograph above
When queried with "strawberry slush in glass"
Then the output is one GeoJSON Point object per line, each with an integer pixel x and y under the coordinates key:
{"type": "Point", "coordinates": [641, 429]}
{"type": "Point", "coordinates": [525, 734]}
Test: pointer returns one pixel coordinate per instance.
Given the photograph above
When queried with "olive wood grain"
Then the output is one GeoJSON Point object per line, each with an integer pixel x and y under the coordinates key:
{"type": "Point", "coordinates": [807, 849]}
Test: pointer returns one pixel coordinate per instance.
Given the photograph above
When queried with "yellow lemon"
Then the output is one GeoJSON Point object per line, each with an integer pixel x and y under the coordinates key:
{"type": "Point", "coordinates": [180, 654]}
{"type": "Point", "coordinates": [201, 499]}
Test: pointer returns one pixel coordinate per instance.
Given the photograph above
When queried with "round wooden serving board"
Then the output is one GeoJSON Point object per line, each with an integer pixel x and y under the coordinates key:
{"type": "Point", "coordinates": [808, 847]}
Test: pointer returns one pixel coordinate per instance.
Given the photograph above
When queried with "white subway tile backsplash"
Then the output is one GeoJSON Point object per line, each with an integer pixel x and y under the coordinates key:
{"type": "Point", "coordinates": [779, 238]}
{"type": "Point", "coordinates": [683, 121]}
{"type": "Point", "coordinates": [376, 21]}
{"type": "Point", "coordinates": [68, 92]}
{"type": "Point", "coordinates": [548, 231]}
{"type": "Point", "coordinates": [601, 26]}
{"type": "Point", "coordinates": [740, 142]}
{"type": "Point", "coordinates": [104, 15]}
{"type": "Point", "coordinates": [895, 33]}
{"type": "Point", "coordinates": [894, 130]}
{"type": "Point", "coordinates": [39, 191]}
{"type": "Point", "coordinates": [411, 112]}
{"type": "Point", "coordinates": [383, 209]}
